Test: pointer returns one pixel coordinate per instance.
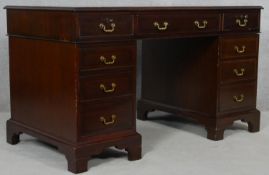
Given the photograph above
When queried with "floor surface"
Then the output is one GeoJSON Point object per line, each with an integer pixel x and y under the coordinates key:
{"type": "Point", "coordinates": [170, 147]}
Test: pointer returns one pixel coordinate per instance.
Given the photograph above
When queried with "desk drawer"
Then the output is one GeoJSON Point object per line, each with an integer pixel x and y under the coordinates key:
{"type": "Point", "coordinates": [105, 25]}
{"type": "Point", "coordinates": [243, 46]}
{"type": "Point", "coordinates": [238, 70]}
{"type": "Point", "coordinates": [237, 96]}
{"type": "Point", "coordinates": [243, 21]}
{"type": "Point", "coordinates": [110, 55]}
{"type": "Point", "coordinates": [107, 116]}
{"type": "Point", "coordinates": [108, 84]}
{"type": "Point", "coordinates": [163, 24]}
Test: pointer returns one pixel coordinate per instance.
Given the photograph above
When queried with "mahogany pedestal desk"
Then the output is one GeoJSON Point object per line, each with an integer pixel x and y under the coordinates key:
{"type": "Point", "coordinates": [73, 73]}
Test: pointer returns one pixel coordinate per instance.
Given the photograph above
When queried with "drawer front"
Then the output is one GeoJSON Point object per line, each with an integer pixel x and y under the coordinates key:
{"type": "Point", "coordinates": [237, 96]}
{"type": "Point", "coordinates": [104, 25]}
{"type": "Point", "coordinates": [107, 116]}
{"type": "Point", "coordinates": [245, 21]}
{"type": "Point", "coordinates": [238, 70]}
{"type": "Point", "coordinates": [108, 56]}
{"type": "Point", "coordinates": [163, 24]}
{"type": "Point", "coordinates": [107, 84]}
{"type": "Point", "coordinates": [245, 46]}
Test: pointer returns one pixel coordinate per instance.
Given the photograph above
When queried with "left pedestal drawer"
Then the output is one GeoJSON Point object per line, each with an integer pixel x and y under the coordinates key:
{"type": "Point", "coordinates": [107, 115]}
{"type": "Point", "coordinates": [106, 84]}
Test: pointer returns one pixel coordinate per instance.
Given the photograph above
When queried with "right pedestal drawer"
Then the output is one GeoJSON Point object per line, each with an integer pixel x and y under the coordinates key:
{"type": "Point", "coordinates": [239, 70]}
{"type": "Point", "coordinates": [238, 96]}
{"type": "Point", "coordinates": [234, 47]}
{"type": "Point", "coordinates": [238, 73]}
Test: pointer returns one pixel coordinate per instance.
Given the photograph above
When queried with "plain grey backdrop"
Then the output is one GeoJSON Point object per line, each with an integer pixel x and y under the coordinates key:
{"type": "Point", "coordinates": [263, 80]}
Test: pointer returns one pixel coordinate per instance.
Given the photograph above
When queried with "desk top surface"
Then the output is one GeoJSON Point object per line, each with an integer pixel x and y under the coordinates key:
{"type": "Point", "coordinates": [132, 8]}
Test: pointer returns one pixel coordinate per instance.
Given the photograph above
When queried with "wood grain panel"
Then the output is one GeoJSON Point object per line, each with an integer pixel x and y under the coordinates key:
{"type": "Point", "coordinates": [57, 25]}
{"type": "Point", "coordinates": [43, 89]}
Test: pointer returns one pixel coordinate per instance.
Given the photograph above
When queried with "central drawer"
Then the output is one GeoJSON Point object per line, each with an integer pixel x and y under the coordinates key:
{"type": "Point", "coordinates": [180, 23]}
{"type": "Point", "coordinates": [107, 84]}
{"type": "Point", "coordinates": [107, 115]}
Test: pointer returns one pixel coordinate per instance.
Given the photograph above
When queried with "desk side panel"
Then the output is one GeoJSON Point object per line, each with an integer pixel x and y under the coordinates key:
{"type": "Point", "coordinates": [43, 86]}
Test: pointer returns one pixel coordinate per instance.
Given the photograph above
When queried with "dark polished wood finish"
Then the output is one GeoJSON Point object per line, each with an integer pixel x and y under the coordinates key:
{"type": "Point", "coordinates": [73, 73]}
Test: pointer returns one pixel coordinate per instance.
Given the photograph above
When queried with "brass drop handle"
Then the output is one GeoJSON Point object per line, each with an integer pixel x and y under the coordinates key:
{"type": "Point", "coordinates": [104, 28]}
{"type": "Point", "coordinates": [239, 99]}
{"type": "Point", "coordinates": [239, 74]}
{"type": "Point", "coordinates": [201, 26]}
{"type": "Point", "coordinates": [164, 25]}
{"type": "Point", "coordinates": [242, 50]}
{"type": "Point", "coordinates": [103, 87]}
{"type": "Point", "coordinates": [104, 59]}
{"type": "Point", "coordinates": [111, 122]}
{"type": "Point", "coordinates": [242, 23]}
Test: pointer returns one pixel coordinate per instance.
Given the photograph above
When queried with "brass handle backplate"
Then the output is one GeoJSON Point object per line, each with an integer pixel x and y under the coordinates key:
{"type": "Point", "coordinates": [111, 122]}
{"type": "Point", "coordinates": [104, 59]}
{"type": "Point", "coordinates": [242, 23]}
{"type": "Point", "coordinates": [239, 73]}
{"type": "Point", "coordinates": [239, 99]}
{"type": "Point", "coordinates": [242, 50]}
{"type": "Point", "coordinates": [201, 26]}
{"type": "Point", "coordinates": [113, 87]}
{"type": "Point", "coordinates": [108, 30]}
{"type": "Point", "coordinates": [164, 25]}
